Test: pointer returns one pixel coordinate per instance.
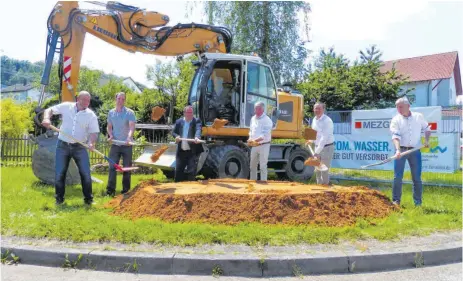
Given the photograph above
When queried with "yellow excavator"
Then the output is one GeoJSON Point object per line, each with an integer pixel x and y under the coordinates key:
{"type": "Point", "coordinates": [225, 86]}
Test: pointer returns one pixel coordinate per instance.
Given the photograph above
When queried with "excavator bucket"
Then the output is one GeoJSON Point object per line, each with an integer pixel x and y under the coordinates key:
{"type": "Point", "coordinates": [43, 160]}
{"type": "Point", "coordinates": [166, 160]}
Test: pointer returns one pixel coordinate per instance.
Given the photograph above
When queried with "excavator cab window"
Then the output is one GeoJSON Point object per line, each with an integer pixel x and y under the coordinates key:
{"type": "Point", "coordinates": [193, 98]}
{"type": "Point", "coordinates": [222, 92]}
{"type": "Point", "coordinates": [260, 87]}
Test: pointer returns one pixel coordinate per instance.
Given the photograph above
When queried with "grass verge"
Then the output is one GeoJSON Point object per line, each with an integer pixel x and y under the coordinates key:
{"type": "Point", "coordinates": [28, 210]}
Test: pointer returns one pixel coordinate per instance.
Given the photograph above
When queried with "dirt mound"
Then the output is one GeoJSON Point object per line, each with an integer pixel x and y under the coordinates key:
{"type": "Point", "coordinates": [233, 201]}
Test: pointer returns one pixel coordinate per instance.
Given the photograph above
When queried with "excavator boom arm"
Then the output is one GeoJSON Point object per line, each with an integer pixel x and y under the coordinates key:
{"type": "Point", "coordinates": [129, 28]}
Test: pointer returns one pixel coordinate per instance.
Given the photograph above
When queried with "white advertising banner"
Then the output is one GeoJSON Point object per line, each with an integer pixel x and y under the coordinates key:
{"type": "Point", "coordinates": [353, 151]}
{"type": "Point", "coordinates": [371, 142]}
{"type": "Point", "coordinates": [377, 121]}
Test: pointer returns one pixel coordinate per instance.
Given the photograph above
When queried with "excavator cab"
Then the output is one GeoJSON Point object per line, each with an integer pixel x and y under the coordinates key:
{"type": "Point", "coordinates": [228, 86]}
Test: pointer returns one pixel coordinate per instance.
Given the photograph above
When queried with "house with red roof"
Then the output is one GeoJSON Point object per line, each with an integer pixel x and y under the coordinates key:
{"type": "Point", "coordinates": [433, 80]}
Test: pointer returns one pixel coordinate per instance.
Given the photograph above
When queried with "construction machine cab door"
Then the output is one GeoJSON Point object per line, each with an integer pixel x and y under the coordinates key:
{"type": "Point", "coordinates": [215, 91]}
{"type": "Point", "coordinates": [260, 86]}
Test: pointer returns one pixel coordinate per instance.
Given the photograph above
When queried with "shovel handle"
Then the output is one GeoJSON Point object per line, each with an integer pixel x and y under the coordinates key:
{"type": "Point", "coordinates": [76, 140]}
{"type": "Point", "coordinates": [117, 166]}
{"type": "Point", "coordinates": [123, 142]}
{"type": "Point", "coordinates": [192, 140]}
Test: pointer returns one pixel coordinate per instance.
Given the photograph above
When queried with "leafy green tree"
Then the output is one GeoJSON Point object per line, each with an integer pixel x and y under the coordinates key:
{"type": "Point", "coordinates": [345, 87]}
{"type": "Point", "coordinates": [19, 71]}
{"type": "Point", "coordinates": [172, 84]}
{"type": "Point", "coordinates": [15, 118]}
{"type": "Point", "coordinates": [371, 54]}
{"type": "Point", "coordinates": [269, 28]}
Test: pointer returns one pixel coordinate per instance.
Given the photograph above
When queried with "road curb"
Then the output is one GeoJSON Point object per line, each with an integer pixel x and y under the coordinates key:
{"type": "Point", "coordinates": [231, 265]}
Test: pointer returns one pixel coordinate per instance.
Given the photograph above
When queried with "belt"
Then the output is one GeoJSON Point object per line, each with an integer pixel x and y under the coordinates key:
{"type": "Point", "coordinates": [330, 144]}
{"type": "Point", "coordinates": [407, 147]}
{"type": "Point", "coordinates": [263, 143]}
{"type": "Point", "coordinates": [69, 143]}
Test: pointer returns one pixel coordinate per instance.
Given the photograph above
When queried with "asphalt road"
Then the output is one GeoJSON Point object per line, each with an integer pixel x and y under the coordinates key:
{"type": "Point", "coordinates": [450, 272]}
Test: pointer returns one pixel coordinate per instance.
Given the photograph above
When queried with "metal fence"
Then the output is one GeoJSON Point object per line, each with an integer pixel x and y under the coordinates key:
{"type": "Point", "coordinates": [18, 151]}
{"type": "Point", "coordinates": [451, 124]}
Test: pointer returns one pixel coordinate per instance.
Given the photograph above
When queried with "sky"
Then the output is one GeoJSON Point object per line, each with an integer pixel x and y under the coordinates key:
{"type": "Point", "coordinates": [400, 29]}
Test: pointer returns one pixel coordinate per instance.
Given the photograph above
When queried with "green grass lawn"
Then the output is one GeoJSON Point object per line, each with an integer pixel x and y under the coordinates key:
{"type": "Point", "coordinates": [28, 210]}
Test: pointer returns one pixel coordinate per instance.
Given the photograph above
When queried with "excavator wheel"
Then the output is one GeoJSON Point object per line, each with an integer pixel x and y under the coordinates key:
{"type": "Point", "coordinates": [295, 168]}
{"type": "Point", "coordinates": [226, 161]}
{"type": "Point", "coordinates": [43, 161]}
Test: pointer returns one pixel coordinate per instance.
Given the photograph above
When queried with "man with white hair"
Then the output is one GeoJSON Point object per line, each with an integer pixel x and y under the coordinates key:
{"type": "Point", "coordinates": [260, 132]}
{"type": "Point", "coordinates": [406, 128]}
{"type": "Point", "coordinates": [81, 123]}
{"type": "Point", "coordinates": [324, 143]}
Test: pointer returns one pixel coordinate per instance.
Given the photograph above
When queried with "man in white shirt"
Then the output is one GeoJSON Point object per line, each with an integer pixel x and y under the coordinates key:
{"type": "Point", "coordinates": [324, 143]}
{"type": "Point", "coordinates": [81, 123]}
{"type": "Point", "coordinates": [406, 128]}
{"type": "Point", "coordinates": [260, 131]}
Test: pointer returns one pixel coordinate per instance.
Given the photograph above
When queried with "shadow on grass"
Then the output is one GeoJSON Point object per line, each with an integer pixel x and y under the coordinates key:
{"type": "Point", "coordinates": [429, 210]}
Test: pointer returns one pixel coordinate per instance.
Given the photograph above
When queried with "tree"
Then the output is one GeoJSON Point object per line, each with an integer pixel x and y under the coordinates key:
{"type": "Point", "coordinates": [15, 118]}
{"type": "Point", "coordinates": [172, 82]}
{"type": "Point", "coordinates": [371, 55]}
{"type": "Point", "coordinates": [269, 28]}
{"type": "Point", "coordinates": [345, 87]}
{"type": "Point", "coordinates": [19, 71]}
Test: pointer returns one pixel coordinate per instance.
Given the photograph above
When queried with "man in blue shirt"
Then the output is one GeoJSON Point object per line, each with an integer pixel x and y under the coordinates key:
{"type": "Point", "coordinates": [121, 126]}
{"type": "Point", "coordinates": [187, 127]}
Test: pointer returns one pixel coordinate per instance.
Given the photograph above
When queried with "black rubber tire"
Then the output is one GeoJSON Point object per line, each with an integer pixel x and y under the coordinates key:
{"type": "Point", "coordinates": [293, 167]}
{"type": "Point", "coordinates": [226, 161]}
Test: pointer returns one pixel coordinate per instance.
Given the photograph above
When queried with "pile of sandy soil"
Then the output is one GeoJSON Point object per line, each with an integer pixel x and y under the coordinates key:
{"type": "Point", "coordinates": [231, 201]}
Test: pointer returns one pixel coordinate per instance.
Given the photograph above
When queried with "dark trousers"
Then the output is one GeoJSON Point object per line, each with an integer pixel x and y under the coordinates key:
{"type": "Point", "coordinates": [64, 152]}
{"type": "Point", "coordinates": [185, 159]}
{"type": "Point", "coordinates": [115, 154]}
{"type": "Point", "coordinates": [414, 160]}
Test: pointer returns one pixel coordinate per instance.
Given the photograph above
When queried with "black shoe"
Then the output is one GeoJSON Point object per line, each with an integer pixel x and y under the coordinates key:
{"type": "Point", "coordinates": [89, 202]}
{"type": "Point", "coordinates": [124, 191]}
{"type": "Point", "coordinates": [59, 202]}
{"type": "Point", "coordinates": [110, 193]}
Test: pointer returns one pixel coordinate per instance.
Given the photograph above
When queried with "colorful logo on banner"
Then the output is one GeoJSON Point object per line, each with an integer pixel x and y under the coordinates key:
{"type": "Point", "coordinates": [433, 146]}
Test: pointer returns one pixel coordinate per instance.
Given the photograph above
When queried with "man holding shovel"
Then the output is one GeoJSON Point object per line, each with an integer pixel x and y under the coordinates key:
{"type": "Point", "coordinates": [187, 127]}
{"type": "Point", "coordinates": [120, 128]}
{"type": "Point", "coordinates": [260, 136]}
{"type": "Point", "coordinates": [82, 124]}
{"type": "Point", "coordinates": [406, 128]}
{"type": "Point", "coordinates": [324, 148]}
